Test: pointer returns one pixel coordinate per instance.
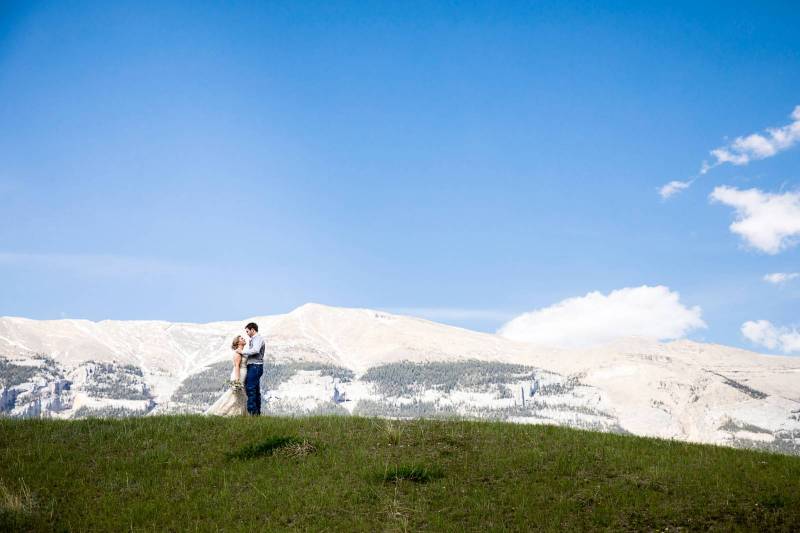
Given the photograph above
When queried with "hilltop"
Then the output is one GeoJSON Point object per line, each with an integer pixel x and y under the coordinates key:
{"type": "Point", "coordinates": [325, 359]}
{"type": "Point", "coordinates": [361, 474]}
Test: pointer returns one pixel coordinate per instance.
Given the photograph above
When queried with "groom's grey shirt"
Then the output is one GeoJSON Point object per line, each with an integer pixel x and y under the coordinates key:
{"type": "Point", "coordinates": [255, 350]}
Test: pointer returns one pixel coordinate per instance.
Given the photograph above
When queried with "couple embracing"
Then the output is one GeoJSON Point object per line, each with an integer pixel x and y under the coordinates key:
{"type": "Point", "coordinates": [248, 361]}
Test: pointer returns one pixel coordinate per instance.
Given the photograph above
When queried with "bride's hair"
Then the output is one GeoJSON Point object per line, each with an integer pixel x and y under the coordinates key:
{"type": "Point", "coordinates": [235, 343]}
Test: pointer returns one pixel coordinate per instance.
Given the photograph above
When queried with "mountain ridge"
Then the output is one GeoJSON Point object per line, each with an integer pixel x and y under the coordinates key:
{"type": "Point", "coordinates": [682, 389]}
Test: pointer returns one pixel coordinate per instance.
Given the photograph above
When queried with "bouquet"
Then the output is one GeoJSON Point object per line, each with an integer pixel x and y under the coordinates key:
{"type": "Point", "coordinates": [235, 384]}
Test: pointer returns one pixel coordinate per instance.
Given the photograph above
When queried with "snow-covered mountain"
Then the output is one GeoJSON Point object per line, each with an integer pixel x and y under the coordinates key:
{"type": "Point", "coordinates": [326, 359]}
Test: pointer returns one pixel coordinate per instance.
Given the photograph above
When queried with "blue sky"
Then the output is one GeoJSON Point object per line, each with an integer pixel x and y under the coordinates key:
{"type": "Point", "coordinates": [199, 161]}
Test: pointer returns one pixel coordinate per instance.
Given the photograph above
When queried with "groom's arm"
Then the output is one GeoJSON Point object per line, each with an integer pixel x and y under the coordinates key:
{"type": "Point", "coordinates": [257, 344]}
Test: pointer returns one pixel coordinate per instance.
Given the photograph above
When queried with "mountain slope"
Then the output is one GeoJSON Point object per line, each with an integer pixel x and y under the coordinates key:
{"type": "Point", "coordinates": [370, 362]}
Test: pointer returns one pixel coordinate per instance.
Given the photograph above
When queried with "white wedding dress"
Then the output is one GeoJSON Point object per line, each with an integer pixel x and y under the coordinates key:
{"type": "Point", "coordinates": [232, 402]}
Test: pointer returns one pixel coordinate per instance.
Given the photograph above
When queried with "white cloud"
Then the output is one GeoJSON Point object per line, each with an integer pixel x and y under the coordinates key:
{"type": "Point", "coordinates": [778, 278]}
{"type": "Point", "coordinates": [654, 312]}
{"type": "Point", "coordinates": [767, 222]}
{"type": "Point", "coordinates": [453, 313]}
{"type": "Point", "coordinates": [673, 187]}
{"type": "Point", "coordinates": [742, 150]}
{"type": "Point", "coordinates": [757, 146]}
{"type": "Point", "coordinates": [764, 333]}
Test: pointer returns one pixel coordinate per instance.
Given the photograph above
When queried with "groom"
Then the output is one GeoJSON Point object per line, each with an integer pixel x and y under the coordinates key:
{"type": "Point", "coordinates": [255, 368]}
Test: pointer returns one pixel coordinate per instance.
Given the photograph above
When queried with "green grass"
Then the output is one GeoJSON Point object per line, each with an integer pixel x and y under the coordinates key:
{"type": "Point", "coordinates": [261, 449]}
{"type": "Point", "coordinates": [412, 472]}
{"type": "Point", "coordinates": [358, 474]}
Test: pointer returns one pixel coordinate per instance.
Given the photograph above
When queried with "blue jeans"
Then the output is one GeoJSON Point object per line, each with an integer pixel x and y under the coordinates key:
{"type": "Point", "coordinates": [252, 386]}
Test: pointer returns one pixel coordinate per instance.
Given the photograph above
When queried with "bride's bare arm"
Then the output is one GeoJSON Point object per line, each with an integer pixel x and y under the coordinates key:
{"type": "Point", "coordinates": [237, 362]}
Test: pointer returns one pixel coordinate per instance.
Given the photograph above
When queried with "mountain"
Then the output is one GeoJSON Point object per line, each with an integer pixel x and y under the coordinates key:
{"type": "Point", "coordinates": [325, 359]}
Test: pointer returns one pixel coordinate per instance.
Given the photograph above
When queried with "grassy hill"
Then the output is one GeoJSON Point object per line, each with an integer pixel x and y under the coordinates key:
{"type": "Point", "coordinates": [360, 474]}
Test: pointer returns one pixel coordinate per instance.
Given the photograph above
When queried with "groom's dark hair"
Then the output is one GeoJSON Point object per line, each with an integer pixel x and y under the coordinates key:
{"type": "Point", "coordinates": [252, 325]}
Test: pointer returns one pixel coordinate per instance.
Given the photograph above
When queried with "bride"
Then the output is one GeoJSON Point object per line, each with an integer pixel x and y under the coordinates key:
{"type": "Point", "coordinates": [233, 401]}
